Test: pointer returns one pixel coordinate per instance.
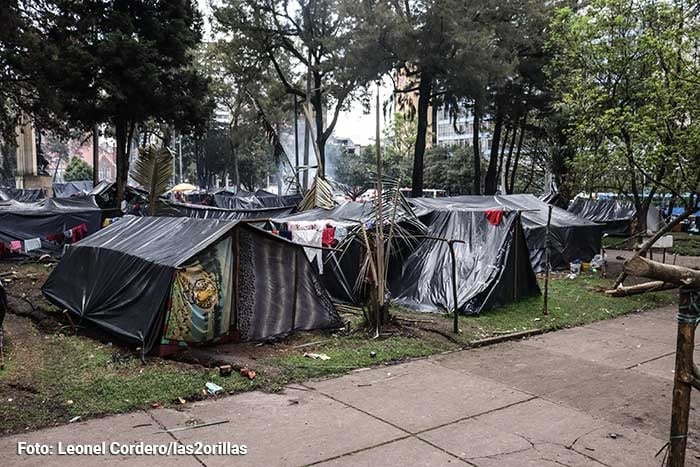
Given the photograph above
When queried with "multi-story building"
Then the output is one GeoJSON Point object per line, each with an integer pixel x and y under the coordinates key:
{"type": "Point", "coordinates": [443, 130]}
{"type": "Point", "coordinates": [459, 130]}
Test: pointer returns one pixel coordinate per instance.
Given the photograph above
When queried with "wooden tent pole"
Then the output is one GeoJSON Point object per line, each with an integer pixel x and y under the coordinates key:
{"type": "Point", "coordinates": [688, 316]}
{"type": "Point", "coordinates": [546, 260]}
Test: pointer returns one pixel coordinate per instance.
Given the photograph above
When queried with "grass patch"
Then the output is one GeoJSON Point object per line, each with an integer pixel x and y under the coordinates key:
{"type": "Point", "coordinates": [571, 303]}
{"type": "Point", "coordinates": [61, 377]}
{"type": "Point", "coordinates": [350, 353]}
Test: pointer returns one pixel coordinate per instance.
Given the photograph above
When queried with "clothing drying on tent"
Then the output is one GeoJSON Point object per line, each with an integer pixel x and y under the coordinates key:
{"type": "Point", "coordinates": [68, 189]}
{"type": "Point", "coordinates": [24, 195]}
{"type": "Point", "coordinates": [338, 270]}
{"type": "Point", "coordinates": [617, 216]}
{"type": "Point", "coordinates": [492, 264]}
{"type": "Point", "coordinates": [48, 224]}
{"type": "Point", "coordinates": [163, 283]}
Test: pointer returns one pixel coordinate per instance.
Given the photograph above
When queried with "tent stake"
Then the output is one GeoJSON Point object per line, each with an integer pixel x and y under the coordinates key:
{"type": "Point", "coordinates": [546, 256]}
{"type": "Point", "coordinates": [453, 258]}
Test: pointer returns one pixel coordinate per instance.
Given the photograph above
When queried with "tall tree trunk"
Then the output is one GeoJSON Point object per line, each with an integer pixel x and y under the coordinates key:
{"type": "Point", "coordinates": [517, 154]}
{"type": "Point", "coordinates": [501, 154]}
{"type": "Point", "coordinates": [95, 155]}
{"type": "Point", "coordinates": [506, 188]}
{"type": "Point", "coordinates": [320, 140]}
{"type": "Point", "coordinates": [476, 187]}
{"type": "Point", "coordinates": [122, 157]}
{"type": "Point", "coordinates": [232, 132]}
{"type": "Point", "coordinates": [490, 183]}
{"type": "Point", "coordinates": [307, 130]}
{"type": "Point", "coordinates": [425, 88]}
{"type": "Point", "coordinates": [640, 223]}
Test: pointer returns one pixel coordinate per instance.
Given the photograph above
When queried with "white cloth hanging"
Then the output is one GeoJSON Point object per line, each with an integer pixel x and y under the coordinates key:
{"type": "Point", "coordinates": [310, 237]}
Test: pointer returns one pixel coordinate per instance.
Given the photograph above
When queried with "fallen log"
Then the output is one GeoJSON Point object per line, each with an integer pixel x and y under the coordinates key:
{"type": "Point", "coordinates": [660, 233]}
{"type": "Point", "coordinates": [654, 286]}
{"type": "Point", "coordinates": [642, 267]}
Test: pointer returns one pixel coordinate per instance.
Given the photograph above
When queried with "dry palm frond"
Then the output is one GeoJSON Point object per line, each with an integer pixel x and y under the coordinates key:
{"type": "Point", "coordinates": [319, 195]}
{"type": "Point", "coordinates": [153, 170]}
{"type": "Point", "coordinates": [400, 225]}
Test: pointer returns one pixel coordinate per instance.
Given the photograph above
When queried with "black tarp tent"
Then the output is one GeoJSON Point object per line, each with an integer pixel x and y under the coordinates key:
{"type": "Point", "coordinates": [572, 237]}
{"type": "Point", "coordinates": [24, 195]}
{"type": "Point", "coordinates": [48, 217]}
{"type": "Point", "coordinates": [198, 211]}
{"type": "Point", "coordinates": [68, 189]}
{"type": "Point", "coordinates": [617, 216]}
{"type": "Point", "coordinates": [493, 266]}
{"type": "Point", "coordinates": [258, 200]}
{"type": "Point", "coordinates": [169, 282]}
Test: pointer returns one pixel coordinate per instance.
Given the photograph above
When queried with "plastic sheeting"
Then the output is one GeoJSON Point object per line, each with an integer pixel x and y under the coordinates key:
{"type": "Point", "coordinates": [572, 237]}
{"type": "Point", "coordinates": [259, 199]}
{"type": "Point", "coordinates": [492, 265]}
{"type": "Point", "coordinates": [120, 279]}
{"type": "Point", "coordinates": [209, 212]}
{"type": "Point", "coordinates": [68, 189]}
{"type": "Point", "coordinates": [24, 195]}
{"type": "Point", "coordinates": [50, 216]}
{"type": "Point", "coordinates": [616, 215]}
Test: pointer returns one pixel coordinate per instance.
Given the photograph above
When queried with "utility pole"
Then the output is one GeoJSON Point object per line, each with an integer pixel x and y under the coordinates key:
{"type": "Point", "coordinates": [179, 153]}
{"type": "Point", "coordinates": [296, 140]}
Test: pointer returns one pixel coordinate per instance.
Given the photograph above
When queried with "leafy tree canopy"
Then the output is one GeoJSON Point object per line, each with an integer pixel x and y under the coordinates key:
{"type": "Point", "coordinates": [627, 73]}
{"type": "Point", "coordinates": [76, 170]}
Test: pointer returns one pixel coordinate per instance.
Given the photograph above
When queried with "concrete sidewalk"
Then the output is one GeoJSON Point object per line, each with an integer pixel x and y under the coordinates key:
{"type": "Point", "coordinates": [590, 396]}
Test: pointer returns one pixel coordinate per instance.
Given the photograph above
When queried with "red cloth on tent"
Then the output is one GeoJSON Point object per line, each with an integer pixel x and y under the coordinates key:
{"type": "Point", "coordinates": [79, 232]}
{"type": "Point", "coordinates": [328, 236]}
{"type": "Point", "coordinates": [494, 216]}
{"type": "Point", "coordinates": [56, 237]}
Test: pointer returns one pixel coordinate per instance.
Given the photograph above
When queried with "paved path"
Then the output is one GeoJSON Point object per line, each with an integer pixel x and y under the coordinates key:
{"type": "Point", "coordinates": [595, 395]}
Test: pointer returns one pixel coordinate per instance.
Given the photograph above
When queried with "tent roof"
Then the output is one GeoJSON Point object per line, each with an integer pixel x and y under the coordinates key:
{"type": "Point", "coordinates": [603, 210]}
{"type": "Point", "coordinates": [348, 212]}
{"type": "Point", "coordinates": [50, 205]}
{"type": "Point", "coordinates": [534, 209]}
{"type": "Point", "coordinates": [169, 241]}
{"type": "Point", "coordinates": [212, 212]}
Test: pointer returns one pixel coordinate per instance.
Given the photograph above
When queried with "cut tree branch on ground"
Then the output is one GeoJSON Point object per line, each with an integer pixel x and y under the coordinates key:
{"type": "Point", "coordinates": [654, 286]}
{"type": "Point", "coordinates": [649, 243]}
{"type": "Point", "coordinates": [678, 275]}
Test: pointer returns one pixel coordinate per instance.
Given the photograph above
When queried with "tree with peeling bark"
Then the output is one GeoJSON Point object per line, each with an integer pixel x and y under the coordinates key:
{"type": "Point", "coordinates": [627, 73]}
